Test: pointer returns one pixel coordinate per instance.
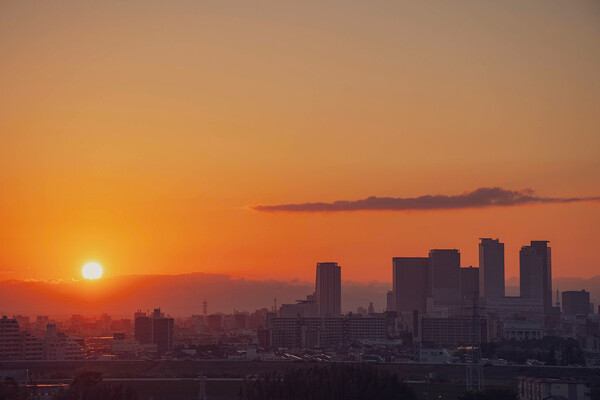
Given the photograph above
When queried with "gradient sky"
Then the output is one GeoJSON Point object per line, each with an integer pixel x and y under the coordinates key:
{"type": "Point", "coordinates": [137, 134]}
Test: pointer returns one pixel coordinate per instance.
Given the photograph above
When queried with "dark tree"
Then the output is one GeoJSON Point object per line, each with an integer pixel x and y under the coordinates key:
{"type": "Point", "coordinates": [10, 390]}
{"type": "Point", "coordinates": [89, 386]}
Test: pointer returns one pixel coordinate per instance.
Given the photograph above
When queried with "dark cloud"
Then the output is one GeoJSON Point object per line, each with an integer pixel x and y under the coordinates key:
{"type": "Point", "coordinates": [482, 197]}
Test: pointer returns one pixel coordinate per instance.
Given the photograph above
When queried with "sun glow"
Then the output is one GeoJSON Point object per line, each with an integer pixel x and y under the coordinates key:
{"type": "Point", "coordinates": [91, 270]}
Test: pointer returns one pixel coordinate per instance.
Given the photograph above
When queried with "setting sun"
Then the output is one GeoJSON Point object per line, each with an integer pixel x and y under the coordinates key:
{"type": "Point", "coordinates": [91, 270]}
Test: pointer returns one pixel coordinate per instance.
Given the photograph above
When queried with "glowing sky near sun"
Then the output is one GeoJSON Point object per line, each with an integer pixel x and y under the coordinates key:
{"type": "Point", "coordinates": [138, 133]}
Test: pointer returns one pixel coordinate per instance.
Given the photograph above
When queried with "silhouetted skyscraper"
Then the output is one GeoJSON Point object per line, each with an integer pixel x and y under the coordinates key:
{"type": "Point", "coordinates": [536, 272]}
{"type": "Point", "coordinates": [328, 289]}
{"type": "Point", "coordinates": [491, 268]}
{"type": "Point", "coordinates": [469, 287]}
{"type": "Point", "coordinates": [410, 283]}
{"type": "Point", "coordinates": [444, 275]}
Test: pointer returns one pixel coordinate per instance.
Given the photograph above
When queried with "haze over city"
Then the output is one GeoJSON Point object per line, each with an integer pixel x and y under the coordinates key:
{"type": "Point", "coordinates": [403, 183]}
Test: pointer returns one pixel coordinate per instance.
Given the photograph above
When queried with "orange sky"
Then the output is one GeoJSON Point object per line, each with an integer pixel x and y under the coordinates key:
{"type": "Point", "coordinates": [136, 134]}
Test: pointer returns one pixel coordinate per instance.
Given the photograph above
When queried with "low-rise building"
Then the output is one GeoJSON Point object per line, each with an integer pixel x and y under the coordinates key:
{"type": "Point", "coordinates": [17, 345]}
{"type": "Point", "coordinates": [126, 346]}
{"type": "Point", "coordinates": [435, 332]}
{"type": "Point", "coordinates": [510, 307]}
{"type": "Point", "coordinates": [523, 330]}
{"type": "Point", "coordinates": [304, 309]}
{"type": "Point", "coordinates": [435, 356]}
{"type": "Point", "coordinates": [576, 302]}
{"type": "Point", "coordinates": [60, 347]}
{"type": "Point", "coordinates": [530, 388]}
{"type": "Point", "coordinates": [326, 331]}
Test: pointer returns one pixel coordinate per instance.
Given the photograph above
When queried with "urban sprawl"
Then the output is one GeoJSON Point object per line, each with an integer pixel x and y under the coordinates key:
{"type": "Point", "coordinates": [437, 313]}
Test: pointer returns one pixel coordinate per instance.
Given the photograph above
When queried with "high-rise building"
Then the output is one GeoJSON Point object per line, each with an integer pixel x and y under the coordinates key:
{"type": "Point", "coordinates": [163, 329]}
{"type": "Point", "coordinates": [328, 289]}
{"type": "Point", "coordinates": [410, 283]}
{"type": "Point", "coordinates": [469, 287]}
{"type": "Point", "coordinates": [444, 277]}
{"type": "Point", "coordinates": [491, 268]}
{"type": "Point", "coordinates": [9, 339]}
{"type": "Point", "coordinates": [156, 329]}
{"type": "Point", "coordinates": [576, 302]}
{"type": "Point", "coordinates": [536, 272]}
{"type": "Point", "coordinates": [142, 327]}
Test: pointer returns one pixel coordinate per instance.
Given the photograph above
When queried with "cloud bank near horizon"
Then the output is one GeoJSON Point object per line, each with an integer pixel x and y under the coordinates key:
{"type": "Point", "coordinates": [177, 294]}
{"type": "Point", "coordinates": [183, 294]}
{"type": "Point", "coordinates": [479, 198]}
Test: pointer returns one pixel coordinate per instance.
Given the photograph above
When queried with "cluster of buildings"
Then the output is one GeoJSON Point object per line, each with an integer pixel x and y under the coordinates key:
{"type": "Point", "coordinates": [148, 334]}
{"type": "Point", "coordinates": [16, 344]}
{"type": "Point", "coordinates": [436, 304]}
{"type": "Point", "coordinates": [435, 307]}
{"type": "Point", "coordinates": [317, 321]}
{"type": "Point", "coordinates": [436, 299]}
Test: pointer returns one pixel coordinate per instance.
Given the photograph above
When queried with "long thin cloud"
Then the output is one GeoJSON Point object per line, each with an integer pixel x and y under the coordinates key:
{"type": "Point", "coordinates": [479, 198]}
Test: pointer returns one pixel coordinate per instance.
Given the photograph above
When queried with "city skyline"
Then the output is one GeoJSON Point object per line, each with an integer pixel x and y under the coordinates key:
{"type": "Point", "coordinates": [433, 299]}
{"type": "Point", "coordinates": [394, 200]}
{"type": "Point", "coordinates": [415, 278]}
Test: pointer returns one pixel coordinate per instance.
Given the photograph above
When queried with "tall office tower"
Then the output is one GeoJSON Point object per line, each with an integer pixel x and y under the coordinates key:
{"type": "Point", "coordinates": [491, 268]}
{"type": "Point", "coordinates": [536, 272]}
{"type": "Point", "coordinates": [410, 283]}
{"type": "Point", "coordinates": [444, 278]}
{"type": "Point", "coordinates": [328, 289]}
{"type": "Point", "coordinates": [469, 287]}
